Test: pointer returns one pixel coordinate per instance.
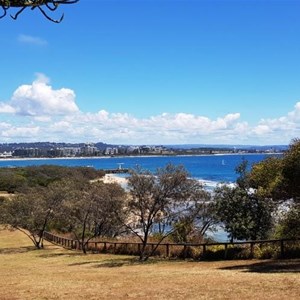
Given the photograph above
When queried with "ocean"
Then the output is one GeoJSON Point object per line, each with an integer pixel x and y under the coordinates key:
{"type": "Point", "coordinates": [211, 169]}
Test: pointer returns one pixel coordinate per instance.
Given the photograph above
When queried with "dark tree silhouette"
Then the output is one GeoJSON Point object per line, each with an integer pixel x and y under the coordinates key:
{"type": "Point", "coordinates": [51, 5]}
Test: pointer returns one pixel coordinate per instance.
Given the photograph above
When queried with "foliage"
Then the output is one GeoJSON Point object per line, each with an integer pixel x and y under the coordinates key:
{"type": "Point", "coordinates": [245, 215]}
{"type": "Point", "coordinates": [10, 180]}
{"type": "Point", "coordinates": [19, 179]}
{"type": "Point", "coordinates": [243, 178]}
{"type": "Point", "coordinates": [32, 212]}
{"type": "Point", "coordinates": [266, 178]}
{"type": "Point", "coordinates": [92, 212]}
{"type": "Point", "coordinates": [232, 252]}
{"type": "Point", "coordinates": [279, 178]}
{"type": "Point", "coordinates": [291, 171]}
{"type": "Point", "coordinates": [193, 226]}
{"type": "Point", "coordinates": [159, 201]}
{"type": "Point", "coordinates": [289, 224]}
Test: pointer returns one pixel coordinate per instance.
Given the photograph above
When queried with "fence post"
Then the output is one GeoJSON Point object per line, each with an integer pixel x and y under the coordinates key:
{"type": "Point", "coordinates": [167, 250]}
{"type": "Point", "coordinates": [184, 251]}
{"type": "Point", "coordinates": [251, 250]}
{"type": "Point", "coordinates": [204, 250]}
{"type": "Point", "coordinates": [226, 251]}
{"type": "Point", "coordinates": [281, 248]}
{"type": "Point", "coordinates": [152, 247]}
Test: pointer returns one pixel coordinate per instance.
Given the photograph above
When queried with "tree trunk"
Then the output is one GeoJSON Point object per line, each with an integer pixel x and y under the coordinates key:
{"type": "Point", "coordinates": [143, 256]}
{"type": "Point", "coordinates": [83, 247]}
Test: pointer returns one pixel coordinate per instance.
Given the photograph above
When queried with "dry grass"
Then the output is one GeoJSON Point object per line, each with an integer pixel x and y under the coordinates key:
{"type": "Point", "coordinates": [55, 273]}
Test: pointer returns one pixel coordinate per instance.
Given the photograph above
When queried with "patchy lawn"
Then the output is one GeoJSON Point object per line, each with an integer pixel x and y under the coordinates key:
{"type": "Point", "coordinates": [55, 273]}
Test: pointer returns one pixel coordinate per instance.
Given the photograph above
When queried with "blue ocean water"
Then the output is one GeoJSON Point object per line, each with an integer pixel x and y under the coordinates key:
{"type": "Point", "coordinates": [209, 168]}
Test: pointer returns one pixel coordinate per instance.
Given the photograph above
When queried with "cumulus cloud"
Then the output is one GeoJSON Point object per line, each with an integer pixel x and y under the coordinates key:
{"type": "Point", "coordinates": [6, 108]}
{"type": "Point", "coordinates": [32, 40]}
{"type": "Point", "coordinates": [169, 128]}
{"type": "Point", "coordinates": [40, 99]}
{"type": "Point", "coordinates": [42, 113]}
{"type": "Point", "coordinates": [164, 128]}
{"type": "Point", "coordinates": [19, 133]}
{"type": "Point", "coordinates": [288, 125]}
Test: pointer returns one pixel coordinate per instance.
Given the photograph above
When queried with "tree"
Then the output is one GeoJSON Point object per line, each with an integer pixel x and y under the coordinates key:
{"type": "Point", "coordinates": [291, 171]}
{"type": "Point", "coordinates": [192, 226]}
{"type": "Point", "coordinates": [243, 178]}
{"type": "Point", "coordinates": [266, 178]}
{"type": "Point", "coordinates": [10, 180]}
{"type": "Point", "coordinates": [19, 179]}
{"type": "Point", "coordinates": [244, 214]}
{"type": "Point", "coordinates": [92, 212]}
{"type": "Point", "coordinates": [289, 223]}
{"type": "Point", "coordinates": [159, 201]}
{"type": "Point", "coordinates": [32, 212]}
{"type": "Point", "coordinates": [278, 178]}
{"type": "Point", "coordinates": [2, 205]}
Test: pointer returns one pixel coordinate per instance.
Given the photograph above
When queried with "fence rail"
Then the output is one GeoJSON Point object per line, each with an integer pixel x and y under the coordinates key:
{"type": "Point", "coordinates": [183, 250]}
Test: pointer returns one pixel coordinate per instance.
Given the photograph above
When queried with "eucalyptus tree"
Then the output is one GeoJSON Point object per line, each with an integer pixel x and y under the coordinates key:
{"type": "Point", "coordinates": [159, 201]}
{"type": "Point", "coordinates": [32, 212]}
{"type": "Point", "coordinates": [92, 212]}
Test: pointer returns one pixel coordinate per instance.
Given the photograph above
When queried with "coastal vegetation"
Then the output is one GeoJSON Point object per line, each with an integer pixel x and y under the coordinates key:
{"type": "Point", "coordinates": [163, 206]}
{"type": "Point", "coordinates": [160, 202]}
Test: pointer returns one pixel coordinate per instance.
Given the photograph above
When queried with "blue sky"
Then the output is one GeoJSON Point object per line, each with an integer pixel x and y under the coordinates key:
{"type": "Point", "coordinates": [153, 72]}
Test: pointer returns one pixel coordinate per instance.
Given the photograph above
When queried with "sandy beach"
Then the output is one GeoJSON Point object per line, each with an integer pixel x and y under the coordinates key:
{"type": "Point", "coordinates": [113, 178]}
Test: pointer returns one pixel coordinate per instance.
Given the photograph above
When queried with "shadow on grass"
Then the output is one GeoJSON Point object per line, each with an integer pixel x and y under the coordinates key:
{"type": "Point", "coordinates": [58, 254]}
{"type": "Point", "coordinates": [272, 266]}
{"type": "Point", "coordinates": [115, 263]}
{"type": "Point", "coordinates": [17, 250]}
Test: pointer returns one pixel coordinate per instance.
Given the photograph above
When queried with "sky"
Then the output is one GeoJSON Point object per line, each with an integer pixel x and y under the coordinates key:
{"type": "Point", "coordinates": [152, 72]}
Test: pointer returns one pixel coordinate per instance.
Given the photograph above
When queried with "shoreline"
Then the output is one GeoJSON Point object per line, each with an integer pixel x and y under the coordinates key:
{"type": "Point", "coordinates": [113, 178]}
{"type": "Point", "coordinates": [131, 156]}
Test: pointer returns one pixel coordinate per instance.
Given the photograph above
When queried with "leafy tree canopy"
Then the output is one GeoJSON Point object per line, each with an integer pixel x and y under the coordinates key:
{"type": "Point", "coordinates": [19, 179]}
{"type": "Point", "coordinates": [244, 215]}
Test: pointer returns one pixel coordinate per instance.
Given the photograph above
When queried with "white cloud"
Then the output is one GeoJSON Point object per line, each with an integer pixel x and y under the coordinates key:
{"type": "Point", "coordinates": [20, 132]}
{"type": "Point", "coordinates": [39, 99]}
{"type": "Point", "coordinates": [43, 118]}
{"type": "Point", "coordinates": [261, 129]}
{"type": "Point", "coordinates": [286, 126]}
{"type": "Point", "coordinates": [42, 113]}
{"type": "Point", "coordinates": [6, 108]}
{"type": "Point", "coordinates": [32, 40]}
{"type": "Point", "coordinates": [295, 114]}
{"type": "Point", "coordinates": [164, 128]}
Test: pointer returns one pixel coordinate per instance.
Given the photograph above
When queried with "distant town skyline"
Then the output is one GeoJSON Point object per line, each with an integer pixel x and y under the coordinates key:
{"type": "Point", "coordinates": [153, 72]}
{"type": "Point", "coordinates": [52, 150]}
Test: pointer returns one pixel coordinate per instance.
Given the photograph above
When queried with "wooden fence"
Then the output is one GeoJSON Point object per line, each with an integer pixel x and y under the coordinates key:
{"type": "Point", "coordinates": [281, 247]}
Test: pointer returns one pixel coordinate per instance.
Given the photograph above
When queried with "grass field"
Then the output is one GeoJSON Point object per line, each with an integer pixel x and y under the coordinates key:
{"type": "Point", "coordinates": [55, 273]}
